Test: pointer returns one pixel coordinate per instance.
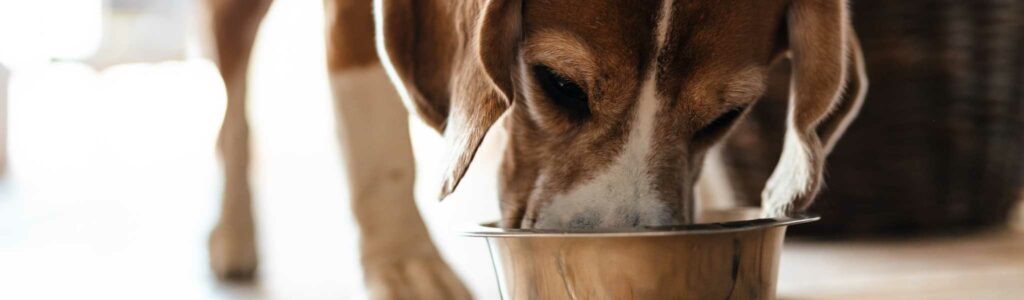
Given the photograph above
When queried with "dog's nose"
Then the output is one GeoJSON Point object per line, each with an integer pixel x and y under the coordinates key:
{"type": "Point", "coordinates": [586, 220]}
{"type": "Point", "coordinates": [569, 215]}
{"type": "Point", "coordinates": [594, 220]}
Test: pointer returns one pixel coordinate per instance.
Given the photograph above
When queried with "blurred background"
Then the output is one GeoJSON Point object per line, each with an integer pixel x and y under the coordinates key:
{"type": "Point", "coordinates": [112, 181]}
{"type": "Point", "coordinates": [109, 114]}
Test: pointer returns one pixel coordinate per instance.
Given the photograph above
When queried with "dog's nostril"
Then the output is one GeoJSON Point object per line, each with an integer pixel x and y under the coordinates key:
{"type": "Point", "coordinates": [587, 220]}
{"type": "Point", "coordinates": [629, 218]}
{"type": "Point", "coordinates": [633, 220]}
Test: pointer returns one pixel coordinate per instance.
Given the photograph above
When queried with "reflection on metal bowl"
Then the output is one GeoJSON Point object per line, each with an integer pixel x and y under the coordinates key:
{"type": "Point", "coordinates": [727, 255]}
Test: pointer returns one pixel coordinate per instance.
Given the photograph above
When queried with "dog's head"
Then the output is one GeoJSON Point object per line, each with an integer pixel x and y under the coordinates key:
{"type": "Point", "coordinates": [610, 106]}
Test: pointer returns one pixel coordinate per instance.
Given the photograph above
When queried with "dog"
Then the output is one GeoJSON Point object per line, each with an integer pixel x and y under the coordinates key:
{"type": "Point", "coordinates": [610, 106]}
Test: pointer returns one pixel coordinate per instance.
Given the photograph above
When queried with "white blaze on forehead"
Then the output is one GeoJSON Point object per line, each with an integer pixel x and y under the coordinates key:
{"type": "Point", "coordinates": [621, 195]}
{"type": "Point", "coordinates": [663, 23]}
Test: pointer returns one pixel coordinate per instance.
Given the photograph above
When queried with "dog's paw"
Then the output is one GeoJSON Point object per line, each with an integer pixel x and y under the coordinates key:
{"type": "Point", "coordinates": [420, 277]}
{"type": "Point", "coordinates": [232, 252]}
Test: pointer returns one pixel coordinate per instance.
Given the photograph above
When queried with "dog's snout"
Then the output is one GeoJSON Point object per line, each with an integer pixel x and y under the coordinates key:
{"type": "Point", "coordinates": [586, 220]}
{"type": "Point", "coordinates": [597, 218]}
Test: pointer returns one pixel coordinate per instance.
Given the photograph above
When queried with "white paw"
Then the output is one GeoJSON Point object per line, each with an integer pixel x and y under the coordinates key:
{"type": "Point", "coordinates": [420, 277]}
{"type": "Point", "coordinates": [233, 252]}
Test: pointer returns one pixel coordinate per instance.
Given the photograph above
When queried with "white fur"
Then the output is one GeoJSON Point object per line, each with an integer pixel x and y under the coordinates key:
{"type": "Point", "coordinates": [385, 60]}
{"type": "Point", "coordinates": [791, 177]}
{"type": "Point", "coordinates": [397, 254]}
{"type": "Point", "coordinates": [621, 195]}
{"type": "Point", "coordinates": [663, 21]}
{"type": "Point", "coordinates": [714, 189]}
{"type": "Point", "coordinates": [370, 120]}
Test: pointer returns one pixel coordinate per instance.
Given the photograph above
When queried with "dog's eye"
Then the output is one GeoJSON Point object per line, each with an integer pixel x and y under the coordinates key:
{"type": "Point", "coordinates": [717, 127]}
{"type": "Point", "coordinates": [563, 92]}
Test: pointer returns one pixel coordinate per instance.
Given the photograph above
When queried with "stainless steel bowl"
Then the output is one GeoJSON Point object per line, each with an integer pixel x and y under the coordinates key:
{"type": "Point", "coordinates": [727, 255]}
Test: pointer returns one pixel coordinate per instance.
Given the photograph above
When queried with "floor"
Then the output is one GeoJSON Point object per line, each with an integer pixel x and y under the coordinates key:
{"type": "Point", "coordinates": [983, 266]}
{"type": "Point", "coordinates": [113, 184]}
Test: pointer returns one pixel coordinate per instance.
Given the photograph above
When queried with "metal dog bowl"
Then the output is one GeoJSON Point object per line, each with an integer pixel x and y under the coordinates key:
{"type": "Point", "coordinates": [726, 255]}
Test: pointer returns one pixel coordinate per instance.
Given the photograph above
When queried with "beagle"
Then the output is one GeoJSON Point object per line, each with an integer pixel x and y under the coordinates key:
{"type": "Point", "coordinates": [611, 108]}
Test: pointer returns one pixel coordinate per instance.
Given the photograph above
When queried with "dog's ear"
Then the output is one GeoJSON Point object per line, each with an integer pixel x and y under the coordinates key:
{"type": "Point", "coordinates": [825, 54]}
{"type": "Point", "coordinates": [488, 92]}
{"type": "Point", "coordinates": [460, 83]}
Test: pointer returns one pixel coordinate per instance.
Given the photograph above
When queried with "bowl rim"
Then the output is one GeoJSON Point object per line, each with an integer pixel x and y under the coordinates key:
{"type": "Point", "coordinates": [490, 229]}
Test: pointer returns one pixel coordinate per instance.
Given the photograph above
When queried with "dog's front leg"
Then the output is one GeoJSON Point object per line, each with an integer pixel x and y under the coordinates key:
{"type": "Point", "coordinates": [233, 25]}
{"type": "Point", "coordinates": [399, 259]}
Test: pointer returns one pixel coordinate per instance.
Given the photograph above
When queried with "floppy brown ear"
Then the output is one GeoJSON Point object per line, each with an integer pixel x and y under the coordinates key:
{"type": "Point", "coordinates": [488, 91]}
{"type": "Point", "coordinates": [459, 83]}
{"type": "Point", "coordinates": [825, 54]}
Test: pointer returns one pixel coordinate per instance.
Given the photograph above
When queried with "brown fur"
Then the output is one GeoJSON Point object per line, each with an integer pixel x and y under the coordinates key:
{"type": "Point", "coordinates": [350, 38]}
{"type": "Point", "coordinates": [819, 39]}
{"type": "Point", "coordinates": [463, 65]}
{"type": "Point", "coordinates": [234, 24]}
{"type": "Point", "coordinates": [540, 139]}
{"type": "Point", "coordinates": [713, 51]}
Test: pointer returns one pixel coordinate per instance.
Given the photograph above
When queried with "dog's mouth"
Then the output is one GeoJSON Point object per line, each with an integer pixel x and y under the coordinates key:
{"type": "Point", "coordinates": [706, 220]}
{"type": "Point", "coordinates": [563, 217]}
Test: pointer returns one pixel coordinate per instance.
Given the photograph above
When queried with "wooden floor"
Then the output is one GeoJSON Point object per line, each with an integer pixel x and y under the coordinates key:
{"type": "Point", "coordinates": [983, 266]}
{"type": "Point", "coordinates": [114, 184]}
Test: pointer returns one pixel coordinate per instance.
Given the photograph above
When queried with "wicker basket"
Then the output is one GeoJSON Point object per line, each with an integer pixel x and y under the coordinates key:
{"type": "Point", "coordinates": [939, 144]}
